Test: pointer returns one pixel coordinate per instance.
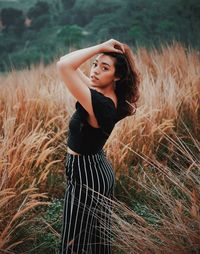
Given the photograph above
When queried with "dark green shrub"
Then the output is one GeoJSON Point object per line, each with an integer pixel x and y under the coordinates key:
{"type": "Point", "coordinates": [47, 228]}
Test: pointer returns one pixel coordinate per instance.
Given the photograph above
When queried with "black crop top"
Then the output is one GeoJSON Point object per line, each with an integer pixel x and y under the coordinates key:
{"type": "Point", "coordinates": [82, 137]}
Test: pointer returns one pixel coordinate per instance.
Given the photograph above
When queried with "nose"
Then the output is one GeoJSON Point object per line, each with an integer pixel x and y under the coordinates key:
{"type": "Point", "coordinates": [96, 70]}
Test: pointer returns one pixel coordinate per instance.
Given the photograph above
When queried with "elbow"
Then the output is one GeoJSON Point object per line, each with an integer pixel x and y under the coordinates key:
{"type": "Point", "coordinates": [59, 65]}
{"type": "Point", "coordinates": [61, 68]}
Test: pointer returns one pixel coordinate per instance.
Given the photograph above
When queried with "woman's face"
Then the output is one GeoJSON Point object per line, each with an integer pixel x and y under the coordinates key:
{"type": "Point", "coordinates": [102, 71]}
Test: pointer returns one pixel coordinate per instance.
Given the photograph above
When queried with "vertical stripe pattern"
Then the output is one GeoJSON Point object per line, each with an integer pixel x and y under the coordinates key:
{"type": "Point", "coordinates": [86, 225]}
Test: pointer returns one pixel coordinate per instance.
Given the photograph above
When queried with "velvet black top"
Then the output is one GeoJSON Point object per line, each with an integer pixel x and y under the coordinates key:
{"type": "Point", "coordinates": [82, 137]}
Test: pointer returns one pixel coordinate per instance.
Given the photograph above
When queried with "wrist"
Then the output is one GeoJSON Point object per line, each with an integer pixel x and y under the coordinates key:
{"type": "Point", "coordinates": [98, 48]}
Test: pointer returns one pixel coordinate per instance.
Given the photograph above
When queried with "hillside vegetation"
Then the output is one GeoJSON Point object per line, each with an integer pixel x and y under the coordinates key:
{"type": "Point", "coordinates": [41, 30]}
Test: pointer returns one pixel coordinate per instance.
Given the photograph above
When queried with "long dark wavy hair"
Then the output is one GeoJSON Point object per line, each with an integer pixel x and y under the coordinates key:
{"type": "Point", "coordinates": [127, 88]}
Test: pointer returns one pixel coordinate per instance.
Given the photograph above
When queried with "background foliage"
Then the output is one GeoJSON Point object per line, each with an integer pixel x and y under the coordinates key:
{"type": "Point", "coordinates": [33, 30]}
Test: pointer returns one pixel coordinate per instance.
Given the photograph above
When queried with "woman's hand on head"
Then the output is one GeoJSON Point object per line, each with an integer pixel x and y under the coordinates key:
{"type": "Point", "coordinates": [112, 46]}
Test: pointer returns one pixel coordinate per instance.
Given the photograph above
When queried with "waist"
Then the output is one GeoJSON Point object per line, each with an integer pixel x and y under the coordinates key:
{"type": "Point", "coordinates": [76, 154]}
{"type": "Point", "coordinates": [82, 143]}
{"type": "Point", "coordinates": [70, 151]}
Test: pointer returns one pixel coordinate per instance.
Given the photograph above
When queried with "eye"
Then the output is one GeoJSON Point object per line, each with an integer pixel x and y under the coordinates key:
{"type": "Point", "coordinates": [104, 68]}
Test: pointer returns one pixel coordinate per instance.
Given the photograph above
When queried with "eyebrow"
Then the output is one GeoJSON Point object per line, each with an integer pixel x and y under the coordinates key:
{"type": "Point", "coordinates": [102, 62]}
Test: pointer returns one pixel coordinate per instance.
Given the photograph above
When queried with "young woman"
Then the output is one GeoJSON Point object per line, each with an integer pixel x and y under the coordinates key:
{"type": "Point", "coordinates": [104, 98]}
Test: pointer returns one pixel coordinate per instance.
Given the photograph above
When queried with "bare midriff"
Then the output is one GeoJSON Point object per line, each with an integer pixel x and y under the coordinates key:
{"type": "Point", "coordinates": [72, 152]}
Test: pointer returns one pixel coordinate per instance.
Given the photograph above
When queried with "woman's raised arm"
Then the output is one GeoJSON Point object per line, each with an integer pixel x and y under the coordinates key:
{"type": "Point", "coordinates": [68, 65]}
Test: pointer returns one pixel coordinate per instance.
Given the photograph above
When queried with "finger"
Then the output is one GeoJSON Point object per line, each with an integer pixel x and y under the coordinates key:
{"type": "Point", "coordinates": [119, 51]}
{"type": "Point", "coordinates": [119, 48]}
{"type": "Point", "coordinates": [122, 47]}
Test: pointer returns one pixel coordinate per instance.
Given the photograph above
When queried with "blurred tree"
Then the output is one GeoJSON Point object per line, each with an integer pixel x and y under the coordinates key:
{"type": "Point", "coordinates": [7, 42]}
{"type": "Point", "coordinates": [40, 22]}
{"type": "Point", "coordinates": [65, 18]}
{"type": "Point", "coordinates": [136, 33]}
{"type": "Point", "coordinates": [10, 16]}
{"type": "Point", "coordinates": [71, 35]}
{"type": "Point", "coordinates": [85, 11]}
{"type": "Point", "coordinates": [39, 15]}
{"type": "Point", "coordinates": [39, 9]}
{"type": "Point", "coordinates": [59, 23]}
{"type": "Point", "coordinates": [165, 28]}
{"type": "Point", "coordinates": [13, 20]}
{"type": "Point", "coordinates": [68, 4]}
{"type": "Point", "coordinates": [189, 12]}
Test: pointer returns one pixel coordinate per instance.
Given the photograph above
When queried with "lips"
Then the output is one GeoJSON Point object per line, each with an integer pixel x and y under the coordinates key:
{"type": "Point", "coordinates": [94, 77]}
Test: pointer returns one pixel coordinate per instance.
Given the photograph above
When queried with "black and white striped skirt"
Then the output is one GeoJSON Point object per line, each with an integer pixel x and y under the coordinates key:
{"type": "Point", "coordinates": [87, 205]}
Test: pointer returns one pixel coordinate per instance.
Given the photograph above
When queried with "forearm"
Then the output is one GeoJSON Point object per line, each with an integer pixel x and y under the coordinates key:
{"type": "Point", "coordinates": [78, 57]}
{"type": "Point", "coordinates": [66, 56]}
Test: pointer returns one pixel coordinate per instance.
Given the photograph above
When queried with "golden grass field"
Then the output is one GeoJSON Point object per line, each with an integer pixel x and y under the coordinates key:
{"type": "Point", "coordinates": [157, 151]}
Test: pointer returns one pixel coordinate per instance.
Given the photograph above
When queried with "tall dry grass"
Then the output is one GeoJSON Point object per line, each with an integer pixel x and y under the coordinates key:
{"type": "Point", "coordinates": [33, 121]}
{"type": "Point", "coordinates": [157, 150]}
